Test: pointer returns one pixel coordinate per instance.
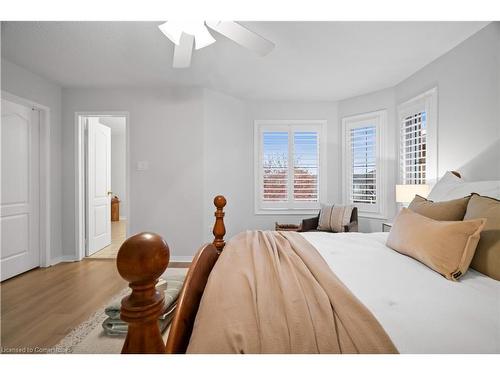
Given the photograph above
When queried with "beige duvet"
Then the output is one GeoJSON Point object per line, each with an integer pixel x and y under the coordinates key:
{"type": "Point", "coordinates": [272, 292]}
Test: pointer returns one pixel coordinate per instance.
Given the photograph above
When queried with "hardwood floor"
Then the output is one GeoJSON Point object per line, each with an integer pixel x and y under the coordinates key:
{"type": "Point", "coordinates": [40, 307]}
{"type": "Point", "coordinates": [118, 236]}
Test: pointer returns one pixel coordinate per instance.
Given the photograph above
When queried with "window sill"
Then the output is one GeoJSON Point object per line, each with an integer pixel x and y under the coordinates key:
{"type": "Point", "coordinates": [309, 211]}
{"type": "Point", "coordinates": [372, 215]}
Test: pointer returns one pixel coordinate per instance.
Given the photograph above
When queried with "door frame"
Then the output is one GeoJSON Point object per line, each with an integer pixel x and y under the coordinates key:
{"type": "Point", "coordinates": [80, 174]}
{"type": "Point", "coordinates": [44, 218]}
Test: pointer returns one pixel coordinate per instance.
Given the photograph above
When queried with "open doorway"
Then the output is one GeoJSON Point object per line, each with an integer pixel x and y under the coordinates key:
{"type": "Point", "coordinates": [102, 180]}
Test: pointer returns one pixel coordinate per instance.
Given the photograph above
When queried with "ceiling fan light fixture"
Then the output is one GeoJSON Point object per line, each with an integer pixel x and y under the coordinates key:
{"type": "Point", "coordinates": [190, 35]}
{"type": "Point", "coordinates": [174, 29]}
{"type": "Point", "coordinates": [203, 38]}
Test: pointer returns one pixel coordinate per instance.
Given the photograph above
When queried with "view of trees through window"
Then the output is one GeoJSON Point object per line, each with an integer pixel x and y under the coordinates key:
{"type": "Point", "coordinates": [276, 169]}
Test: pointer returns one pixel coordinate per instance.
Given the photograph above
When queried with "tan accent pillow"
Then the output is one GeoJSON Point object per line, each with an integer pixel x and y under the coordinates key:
{"type": "Point", "coordinates": [334, 218]}
{"type": "Point", "coordinates": [324, 217]}
{"type": "Point", "coordinates": [487, 257]}
{"type": "Point", "coordinates": [341, 217]}
{"type": "Point", "coordinates": [445, 246]}
{"type": "Point", "coordinates": [443, 211]}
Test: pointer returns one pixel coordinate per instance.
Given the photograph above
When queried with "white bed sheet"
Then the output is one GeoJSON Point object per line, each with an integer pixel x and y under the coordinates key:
{"type": "Point", "coordinates": [420, 310]}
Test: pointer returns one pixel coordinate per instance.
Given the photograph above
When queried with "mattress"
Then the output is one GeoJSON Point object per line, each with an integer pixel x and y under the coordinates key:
{"type": "Point", "coordinates": [420, 310]}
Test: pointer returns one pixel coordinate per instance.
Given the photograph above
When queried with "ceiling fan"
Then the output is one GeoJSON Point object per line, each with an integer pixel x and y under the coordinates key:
{"type": "Point", "coordinates": [186, 35]}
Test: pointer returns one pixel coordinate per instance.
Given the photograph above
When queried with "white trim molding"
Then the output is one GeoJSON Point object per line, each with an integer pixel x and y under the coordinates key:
{"type": "Point", "coordinates": [45, 218]}
{"type": "Point", "coordinates": [377, 119]}
{"type": "Point", "coordinates": [290, 207]}
{"type": "Point", "coordinates": [425, 102]}
{"type": "Point", "coordinates": [80, 170]}
{"type": "Point", "coordinates": [63, 258]}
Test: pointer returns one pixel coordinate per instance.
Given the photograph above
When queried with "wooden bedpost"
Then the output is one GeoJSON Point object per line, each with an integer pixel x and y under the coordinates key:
{"type": "Point", "coordinates": [141, 260]}
{"type": "Point", "coordinates": [219, 228]}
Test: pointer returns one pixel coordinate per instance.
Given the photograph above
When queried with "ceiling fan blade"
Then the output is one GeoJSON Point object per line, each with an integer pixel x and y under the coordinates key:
{"type": "Point", "coordinates": [183, 51]}
{"type": "Point", "coordinates": [242, 36]}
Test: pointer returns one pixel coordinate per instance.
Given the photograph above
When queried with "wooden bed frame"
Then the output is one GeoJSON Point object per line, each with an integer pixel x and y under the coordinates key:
{"type": "Point", "coordinates": [141, 260]}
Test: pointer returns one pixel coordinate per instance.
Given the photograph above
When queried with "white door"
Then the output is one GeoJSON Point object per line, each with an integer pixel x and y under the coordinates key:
{"type": "Point", "coordinates": [98, 185]}
{"type": "Point", "coordinates": [19, 200]}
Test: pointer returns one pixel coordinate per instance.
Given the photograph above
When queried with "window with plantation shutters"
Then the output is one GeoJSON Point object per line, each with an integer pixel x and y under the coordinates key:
{"type": "Point", "coordinates": [413, 148]}
{"type": "Point", "coordinates": [288, 162]}
{"type": "Point", "coordinates": [417, 119]}
{"type": "Point", "coordinates": [363, 171]}
{"type": "Point", "coordinates": [363, 142]}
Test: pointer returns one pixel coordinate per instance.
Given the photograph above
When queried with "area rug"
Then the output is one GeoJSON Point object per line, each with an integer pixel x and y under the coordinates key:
{"type": "Point", "coordinates": [89, 337]}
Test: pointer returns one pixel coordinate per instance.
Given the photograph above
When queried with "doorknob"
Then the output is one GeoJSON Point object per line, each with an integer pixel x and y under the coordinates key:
{"type": "Point", "coordinates": [110, 192]}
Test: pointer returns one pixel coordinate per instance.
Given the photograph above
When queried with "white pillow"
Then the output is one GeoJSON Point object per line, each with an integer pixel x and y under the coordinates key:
{"type": "Point", "coordinates": [443, 186]}
{"type": "Point", "coordinates": [453, 187]}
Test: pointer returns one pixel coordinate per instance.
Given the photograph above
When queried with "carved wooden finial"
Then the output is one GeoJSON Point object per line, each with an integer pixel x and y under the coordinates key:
{"type": "Point", "coordinates": [219, 228]}
{"type": "Point", "coordinates": [141, 260]}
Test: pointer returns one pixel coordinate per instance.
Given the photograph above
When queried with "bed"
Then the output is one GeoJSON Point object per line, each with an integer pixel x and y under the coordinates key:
{"type": "Point", "coordinates": [420, 311]}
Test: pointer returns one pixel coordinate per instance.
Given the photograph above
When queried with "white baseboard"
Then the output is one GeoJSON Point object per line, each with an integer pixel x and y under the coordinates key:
{"type": "Point", "coordinates": [71, 258]}
{"type": "Point", "coordinates": [54, 261]}
{"type": "Point", "coordinates": [181, 259]}
{"type": "Point", "coordinates": [123, 218]}
{"type": "Point", "coordinates": [63, 258]}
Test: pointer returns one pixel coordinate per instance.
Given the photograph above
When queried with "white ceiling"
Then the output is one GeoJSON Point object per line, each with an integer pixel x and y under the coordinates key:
{"type": "Point", "coordinates": [311, 61]}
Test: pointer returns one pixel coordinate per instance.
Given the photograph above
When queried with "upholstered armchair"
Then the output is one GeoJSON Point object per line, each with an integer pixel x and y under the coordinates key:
{"type": "Point", "coordinates": [311, 225]}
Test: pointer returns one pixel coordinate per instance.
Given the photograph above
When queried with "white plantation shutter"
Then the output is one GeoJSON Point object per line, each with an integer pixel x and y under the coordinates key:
{"type": "Point", "coordinates": [363, 154]}
{"type": "Point", "coordinates": [363, 145]}
{"type": "Point", "coordinates": [418, 134]}
{"type": "Point", "coordinates": [275, 166]}
{"type": "Point", "coordinates": [306, 166]}
{"type": "Point", "coordinates": [413, 148]}
{"type": "Point", "coordinates": [288, 164]}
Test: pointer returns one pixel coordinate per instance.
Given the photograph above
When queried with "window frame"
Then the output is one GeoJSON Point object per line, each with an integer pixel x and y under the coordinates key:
{"type": "Point", "coordinates": [290, 207]}
{"type": "Point", "coordinates": [379, 120]}
{"type": "Point", "coordinates": [425, 102]}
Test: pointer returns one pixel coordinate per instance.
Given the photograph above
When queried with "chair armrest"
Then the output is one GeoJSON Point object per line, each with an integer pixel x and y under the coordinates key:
{"type": "Point", "coordinates": [351, 227]}
{"type": "Point", "coordinates": [309, 224]}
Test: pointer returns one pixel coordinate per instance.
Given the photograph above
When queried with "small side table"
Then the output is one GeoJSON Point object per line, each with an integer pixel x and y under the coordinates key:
{"type": "Point", "coordinates": [386, 227]}
{"type": "Point", "coordinates": [287, 227]}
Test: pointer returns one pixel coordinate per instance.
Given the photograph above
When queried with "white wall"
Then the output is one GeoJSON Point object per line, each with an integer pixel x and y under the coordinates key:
{"type": "Point", "coordinates": [228, 142]}
{"type": "Point", "coordinates": [22, 83]}
{"type": "Point", "coordinates": [200, 143]}
{"type": "Point", "coordinates": [166, 129]}
{"type": "Point", "coordinates": [229, 155]}
{"type": "Point", "coordinates": [468, 81]}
